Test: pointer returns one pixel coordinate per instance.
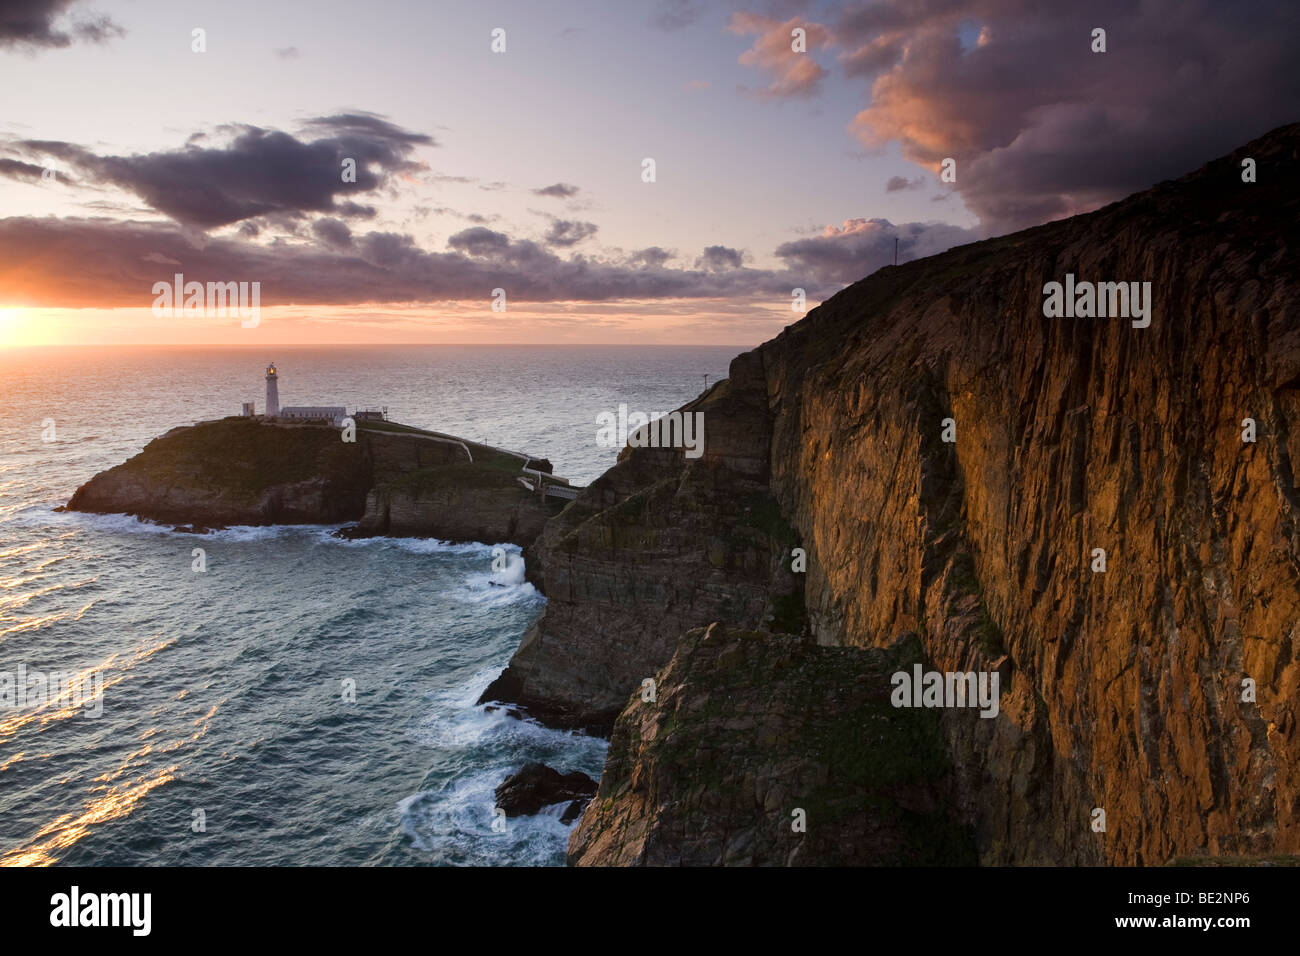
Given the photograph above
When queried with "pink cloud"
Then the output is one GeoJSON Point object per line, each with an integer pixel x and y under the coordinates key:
{"type": "Point", "coordinates": [792, 74]}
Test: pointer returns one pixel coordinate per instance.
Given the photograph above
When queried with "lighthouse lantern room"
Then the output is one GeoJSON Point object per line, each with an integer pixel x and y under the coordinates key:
{"type": "Point", "coordinates": [272, 392]}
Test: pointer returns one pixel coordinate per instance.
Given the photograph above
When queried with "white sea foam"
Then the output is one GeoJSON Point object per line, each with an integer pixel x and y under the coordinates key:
{"type": "Point", "coordinates": [496, 588]}
{"type": "Point", "coordinates": [471, 724]}
{"type": "Point", "coordinates": [242, 533]}
{"type": "Point", "coordinates": [436, 546]}
{"type": "Point", "coordinates": [112, 524]}
{"type": "Point", "coordinates": [44, 516]}
{"type": "Point", "coordinates": [456, 821]}
{"type": "Point", "coordinates": [413, 545]}
{"type": "Point", "coordinates": [482, 590]}
{"type": "Point", "coordinates": [512, 575]}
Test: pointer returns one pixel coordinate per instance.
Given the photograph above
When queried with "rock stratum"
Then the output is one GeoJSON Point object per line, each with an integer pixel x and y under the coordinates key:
{"type": "Point", "coordinates": [1121, 690]}
{"type": "Point", "coordinates": [393, 480]}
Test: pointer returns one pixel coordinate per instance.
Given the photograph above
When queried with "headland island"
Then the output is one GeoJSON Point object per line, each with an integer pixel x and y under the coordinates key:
{"type": "Point", "coordinates": [322, 465]}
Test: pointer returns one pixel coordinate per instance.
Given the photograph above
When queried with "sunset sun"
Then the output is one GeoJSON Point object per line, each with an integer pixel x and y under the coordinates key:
{"type": "Point", "coordinates": [14, 326]}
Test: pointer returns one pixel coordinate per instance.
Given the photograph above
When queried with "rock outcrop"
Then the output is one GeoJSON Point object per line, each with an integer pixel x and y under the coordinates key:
{"type": "Point", "coordinates": [1162, 690]}
{"type": "Point", "coordinates": [456, 502]}
{"type": "Point", "coordinates": [768, 750]}
{"type": "Point", "coordinates": [535, 785]}
{"type": "Point", "coordinates": [392, 480]}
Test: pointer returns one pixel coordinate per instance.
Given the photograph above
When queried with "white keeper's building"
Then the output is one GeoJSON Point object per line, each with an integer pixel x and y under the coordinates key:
{"type": "Point", "coordinates": [314, 413]}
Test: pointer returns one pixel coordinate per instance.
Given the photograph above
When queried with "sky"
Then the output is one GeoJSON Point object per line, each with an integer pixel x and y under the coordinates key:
{"type": "Point", "coordinates": [133, 149]}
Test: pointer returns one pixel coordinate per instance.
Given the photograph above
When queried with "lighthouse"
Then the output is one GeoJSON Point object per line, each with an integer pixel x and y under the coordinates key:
{"type": "Point", "coordinates": [272, 392]}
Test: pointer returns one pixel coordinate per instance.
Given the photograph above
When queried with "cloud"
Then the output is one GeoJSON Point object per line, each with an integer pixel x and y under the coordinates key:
{"type": "Point", "coordinates": [846, 253]}
{"type": "Point", "coordinates": [480, 241]}
{"type": "Point", "coordinates": [566, 233]}
{"type": "Point", "coordinates": [675, 14]}
{"type": "Point", "coordinates": [558, 191]}
{"type": "Point", "coordinates": [792, 74]}
{"type": "Point", "coordinates": [719, 259]}
{"type": "Point", "coordinates": [354, 210]}
{"type": "Point", "coordinates": [334, 233]}
{"type": "Point", "coordinates": [651, 258]}
{"type": "Point", "coordinates": [1040, 126]}
{"type": "Point", "coordinates": [897, 183]}
{"type": "Point", "coordinates": [259, 172]}
{"type": "Point", "coordinates": [15, 169]}
{"type": "Point", "coordinates": [31, 23]}
{"type": "Point", "coordinates": [102, 263]}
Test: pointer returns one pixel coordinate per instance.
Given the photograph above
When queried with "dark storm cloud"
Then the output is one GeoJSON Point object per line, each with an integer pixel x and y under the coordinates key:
{"type": "Point", "coordinates": [1041, 127]}
{"type": "Point", "coordinates": [565, 233]}
{"type": "Point", "coordinates": [101, 263]}
{"type": "Point", "coordinates": [259, 173]}
{"type": "Point", "coordinates": [558, 191]}
{"type": "Point", "coordinates": [843, 254]}
{"type": "Point", "coordinates": [31, 23]}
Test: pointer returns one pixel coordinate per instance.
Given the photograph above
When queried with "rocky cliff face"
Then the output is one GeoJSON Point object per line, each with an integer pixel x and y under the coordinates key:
{"type": "Point", "coordinates": [458, 503]}
{"type": "Point", "coordinates": [815, 768]}
{"type": "Point", "coordinates": [392, 480]}
{"type": "Point", "coordinates": [236, 471]}
{"type": "Point", "coordinates": [657, 545]}
{"type": "Point", "coordinates": [1122, 688]}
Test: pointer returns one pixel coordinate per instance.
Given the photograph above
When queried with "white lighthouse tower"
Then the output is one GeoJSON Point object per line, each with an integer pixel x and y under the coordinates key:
{"type": "Point", "coordinates": [272, 392]}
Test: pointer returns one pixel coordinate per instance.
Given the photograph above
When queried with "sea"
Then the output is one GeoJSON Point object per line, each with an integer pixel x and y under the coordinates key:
{"type": "Point", "coordinates": [303, 699]}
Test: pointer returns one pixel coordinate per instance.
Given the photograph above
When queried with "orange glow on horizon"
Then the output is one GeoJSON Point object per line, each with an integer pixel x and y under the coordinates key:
{"type": "Point", "coordinates": [742, 323]}
{"type": "Point", "coordinates": [15, 327]}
